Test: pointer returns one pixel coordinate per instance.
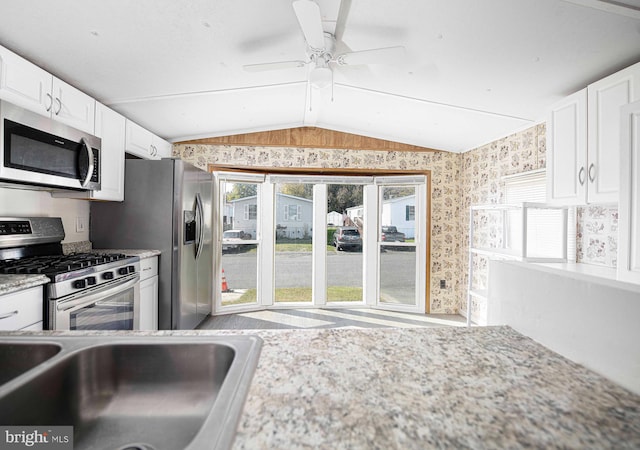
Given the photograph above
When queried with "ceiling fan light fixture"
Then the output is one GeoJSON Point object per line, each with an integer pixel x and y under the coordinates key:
{"type": "Point", "coordinates": [321, 77]}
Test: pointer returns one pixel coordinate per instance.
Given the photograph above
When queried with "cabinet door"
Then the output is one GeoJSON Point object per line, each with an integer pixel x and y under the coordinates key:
{"type": "Point", "coordinates": [73, 107]}
{"type": "Point", "coordinates": [149, 304]}
{"type": "Point", "coordinates": [110, 127]}
{"type": "Point", "coordinates": [21, 309]}
{"type": "Point", "coordinates": [628, 266]}
{"type": "Point", "coordinates": [606, 97]}
{"type": "Point", "coordinates": [567, 151]}
{"type": "Point", "coordinates": [163, 149]}
{"type": "Point", "coordinates": [139, 140]}
{"type": "Point", "coordinates": [24, 84]}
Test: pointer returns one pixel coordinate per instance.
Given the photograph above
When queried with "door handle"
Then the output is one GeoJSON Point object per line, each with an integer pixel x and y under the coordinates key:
{"type": "Point", "coordinates": [199, 225]}
{"type": "Point", "coordinates": [581, 178]}
{"type": "Point", "coordinates": [86, 178]}
{"type": "Point", "coordinates": [592, 178]}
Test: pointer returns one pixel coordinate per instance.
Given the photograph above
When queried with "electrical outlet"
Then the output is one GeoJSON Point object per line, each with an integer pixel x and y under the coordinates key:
{"type": "Point", "coordinates": [443, 284]}
{"type": "Point", "coordinates": [82, 224]}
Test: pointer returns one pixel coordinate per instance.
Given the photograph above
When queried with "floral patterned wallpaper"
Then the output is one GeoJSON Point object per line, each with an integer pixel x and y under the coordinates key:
{"type": "Point", "coordinates": [458, 181]}
{"type": "Point", "coordinates": [445, 203]}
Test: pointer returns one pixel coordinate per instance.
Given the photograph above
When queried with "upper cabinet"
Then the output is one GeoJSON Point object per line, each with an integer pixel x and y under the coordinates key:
{"type": "Point", "coordinates": [628, 266]}
{"type": "Point", "coordinates": [583, 141]}
{"type": "Point", "coordinates": [32, 88]}
{"type": "Point", "coordinates": [145, 144]}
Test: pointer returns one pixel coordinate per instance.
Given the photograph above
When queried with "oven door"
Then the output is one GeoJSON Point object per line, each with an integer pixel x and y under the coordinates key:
{"type": "Point", "coordinates": [111, 306]}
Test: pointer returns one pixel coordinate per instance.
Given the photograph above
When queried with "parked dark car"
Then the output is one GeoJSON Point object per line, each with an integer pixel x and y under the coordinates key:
{"type": "Point", "coordinates": [391, 234]}
{"type": "Point", "coordinates": [347, 238]}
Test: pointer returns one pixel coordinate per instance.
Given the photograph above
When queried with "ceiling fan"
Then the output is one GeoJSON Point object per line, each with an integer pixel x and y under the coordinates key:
{"type": "Point", "coordinates": [321, 46]}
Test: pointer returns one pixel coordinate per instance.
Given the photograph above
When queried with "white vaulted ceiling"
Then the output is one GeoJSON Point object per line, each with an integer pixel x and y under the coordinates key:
{"type": "Point", "coordinates": [474, 70]}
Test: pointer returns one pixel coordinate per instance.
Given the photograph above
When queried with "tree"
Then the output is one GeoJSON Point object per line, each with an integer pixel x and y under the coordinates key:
{"type": "Point", "coordinates": [343, 196]}
{"type": "Point", "coordinates": [297, 190]}
{"type": "Point", "coordinates": [241, 190]}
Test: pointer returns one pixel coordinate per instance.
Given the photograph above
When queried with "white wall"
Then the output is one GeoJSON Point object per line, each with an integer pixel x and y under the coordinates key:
{"type": "Point", "coordinates": [25, 203]}
{"type": "Point", "coordinates": [589, 320]}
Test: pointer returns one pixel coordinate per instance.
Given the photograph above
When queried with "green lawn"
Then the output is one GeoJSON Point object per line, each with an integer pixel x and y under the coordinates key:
{"type": "Point", "coordinates": [283, 295]}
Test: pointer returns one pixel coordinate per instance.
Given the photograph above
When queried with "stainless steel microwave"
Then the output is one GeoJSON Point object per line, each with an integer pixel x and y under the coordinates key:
{"type": "Point", "coordinates": [36, 150]}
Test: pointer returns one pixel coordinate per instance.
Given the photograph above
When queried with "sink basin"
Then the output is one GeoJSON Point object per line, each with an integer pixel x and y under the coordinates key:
{"type": "Point", "coordinates": [144, 393]}
{"type": "Point", "coordinates": [17, 358]}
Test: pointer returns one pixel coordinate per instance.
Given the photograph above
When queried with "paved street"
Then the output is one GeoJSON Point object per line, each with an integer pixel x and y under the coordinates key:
{"type": "Point", "coordinates": [294, 269]}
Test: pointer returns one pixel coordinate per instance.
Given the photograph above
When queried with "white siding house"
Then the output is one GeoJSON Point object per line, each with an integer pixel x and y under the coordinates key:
{"type": "Point", "coordinates": [335, 218]}
{"type": "Point", "coordinates": [400, 212]}
{"type": "Point", "coordinates": [293, 216]}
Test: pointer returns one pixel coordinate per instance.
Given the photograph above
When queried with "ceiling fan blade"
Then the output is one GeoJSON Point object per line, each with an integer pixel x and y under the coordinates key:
{"type": "Point", "coordinates": [308, 14]}
{"type": "Point", "coordinates": [343, 13]}
{"type": "Point", "coordinates": [273, 66]}
{"type": "Point", "coordinates": [387, 55]}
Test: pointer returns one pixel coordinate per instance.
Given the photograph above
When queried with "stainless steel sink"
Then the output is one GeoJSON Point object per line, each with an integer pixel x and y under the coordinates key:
{"type": "Point", "coordinates": [136, 393]}
{"type": "Point", "coordinates": [18, 358]}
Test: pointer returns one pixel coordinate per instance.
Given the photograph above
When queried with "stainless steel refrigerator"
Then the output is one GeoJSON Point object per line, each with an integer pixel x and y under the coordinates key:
{"type": "Point", "coordinates": [168, 207]}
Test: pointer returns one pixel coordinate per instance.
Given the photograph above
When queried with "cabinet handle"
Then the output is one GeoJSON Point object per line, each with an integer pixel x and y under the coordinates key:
{"type": "Point", "coordinates": [50, 102]}
{"type": "Point", "coordinates": [581, 176]}
{"type": "Point", "coordinates": [9, 314]}
{"type": "Point", "coordinates": [59, 102]}
{"type": "Point", "coordinates": [592, 178]}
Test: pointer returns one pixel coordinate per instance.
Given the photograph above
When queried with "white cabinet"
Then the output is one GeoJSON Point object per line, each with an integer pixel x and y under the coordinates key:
{"type": "Point", "coordinates": [145, 144]}
{"type": "Point", "coordinates": [32, 88]}
{"type": "Point", "coordinates": [583, 140]}
{"type": "Point", "coordinates": [628, 265]}
{"type": "Point", "coordinates": [567, 150]}
{"type": "Point", "coordinates": [22, 310]}
{"type": "Point", "coordinates": [110, 127]}
{"type": "Point", "coordinates": [605, 98]}
{"type": "Point", "coordinates": [149, 293]}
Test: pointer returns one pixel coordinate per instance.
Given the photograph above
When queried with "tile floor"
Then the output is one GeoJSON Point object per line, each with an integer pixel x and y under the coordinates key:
{"type": "Point", "coordinates": [328, 318]}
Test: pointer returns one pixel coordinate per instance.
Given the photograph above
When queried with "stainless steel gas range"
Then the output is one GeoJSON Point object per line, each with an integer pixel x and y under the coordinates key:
{"type": "Point", "coordinates": [87, 291]}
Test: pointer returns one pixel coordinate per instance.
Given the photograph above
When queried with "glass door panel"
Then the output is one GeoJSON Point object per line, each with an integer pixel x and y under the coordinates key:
{"type": "Point", "coordinates": [398, 261]}
{"type": "Point", "coordinates": [240, 225]}
{"type": "Point", "coordinates": [344, 238]}
{"type": "Point", "coordinates": [293, 259]}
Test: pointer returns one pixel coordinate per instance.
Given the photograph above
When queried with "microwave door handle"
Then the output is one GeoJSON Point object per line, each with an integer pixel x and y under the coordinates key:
{"type": "Point", "coordinates": [83, 299]}
{"type": "Point", "coordinates": [87, 148]}
{"type": "Point", "coordinates": [200, 225]}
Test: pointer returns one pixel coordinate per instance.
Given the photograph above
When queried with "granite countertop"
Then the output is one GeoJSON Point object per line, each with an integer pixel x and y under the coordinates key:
{"type": "Point", "coordinates": [12, 283]}
{"type": "Point", "coordinates": [488, 387]}
{"type": "Point", "coordinates": [141, 253]}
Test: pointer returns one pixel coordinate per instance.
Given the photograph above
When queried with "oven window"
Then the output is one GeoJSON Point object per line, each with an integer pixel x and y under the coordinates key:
{"type": "Point", "coordinates": [112, 313]}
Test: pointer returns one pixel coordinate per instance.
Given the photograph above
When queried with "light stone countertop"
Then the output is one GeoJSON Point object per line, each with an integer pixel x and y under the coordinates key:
{"type": "Point", "coordinates": [142, 253]}
{"type": "Point", "coordinates": [484, 387]}
{"type": "Point", "coordinates": [18, 282]}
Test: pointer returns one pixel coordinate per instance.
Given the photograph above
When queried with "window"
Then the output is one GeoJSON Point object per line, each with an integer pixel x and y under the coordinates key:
{"type": "Point", "coordinates": [293, 213]}
{"type": "Point", "coordinates": [250, 212]}
{"type": "Point", "coordinates": [410, 212]}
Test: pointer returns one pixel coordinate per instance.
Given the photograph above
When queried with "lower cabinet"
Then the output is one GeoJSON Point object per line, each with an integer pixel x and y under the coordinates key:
{"type": "Point", "coordinates": [149, 293]}
{"type": "Point", "coordinates": [21, 310]}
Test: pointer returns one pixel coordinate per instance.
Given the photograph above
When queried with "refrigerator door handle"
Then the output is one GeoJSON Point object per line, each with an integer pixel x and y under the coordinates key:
{"type": "Point", "coordinates": [199, 225]}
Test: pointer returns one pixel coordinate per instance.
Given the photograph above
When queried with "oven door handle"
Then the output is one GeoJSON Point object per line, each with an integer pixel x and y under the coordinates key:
{"type": "Point", "coordinates": [81, 299]}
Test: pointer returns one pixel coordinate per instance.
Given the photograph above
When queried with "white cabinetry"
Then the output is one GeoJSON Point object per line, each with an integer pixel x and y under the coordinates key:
{"type": "Point", "coordinates": [110, 127]}
{"type": "Point", "coordinates": [628, 266]}
{"type": "Point", "coordinates": [21, 310]}
{"type": "Point", "coordinates": [145, 144]}
{"type": "Point", "coordinates": [149, 293]}
{"type": "Point", "coordinates": [583, 140]}
{"type": "Point", "coordinates": [32, 88]}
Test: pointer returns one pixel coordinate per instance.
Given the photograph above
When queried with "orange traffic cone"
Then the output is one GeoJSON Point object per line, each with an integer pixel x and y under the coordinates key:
{"type": "Point", "coordinates": [225, 286]}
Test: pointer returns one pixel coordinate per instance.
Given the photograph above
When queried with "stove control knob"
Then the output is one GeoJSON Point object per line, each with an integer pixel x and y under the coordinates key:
{"type": "Point", "coordinates": [107, 276]}
{"type": "Point", "coordinates": [123, 271]}
{"type": "Point", "coordinates": [91, 281]}
{"type": "Point", "coordinates": [79, 284]}
{"type": "Point", "coordinates": [131, 269]}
